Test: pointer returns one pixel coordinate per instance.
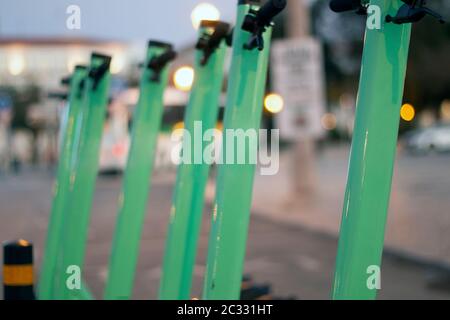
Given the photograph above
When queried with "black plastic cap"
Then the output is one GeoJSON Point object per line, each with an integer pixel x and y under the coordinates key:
{"type": "Point", "coordinates": [278, 4]}
{"type": "Point", "coordinates": [270, 10]}
{"type": "Point", "coordinates": [209, 23]}
{"type": "Point", "coordinates": [107, 59]}
{"type": "Point", "coordinates": [220, 27]}
{"type": "Point", "coordinates": [17, 253]}
{"type": "Point", "coordinates": [66, 81]}
{"type": "Point", "coordinates": [80, 67]}
{"type": "Point", "coordinates": [251, 2]}
{"type": "Point", "coordinates": [159, 44]}
{"type": "Point", "coordinates": [100, 56]}
{"type": "Point", "coordinates": [344, 5]}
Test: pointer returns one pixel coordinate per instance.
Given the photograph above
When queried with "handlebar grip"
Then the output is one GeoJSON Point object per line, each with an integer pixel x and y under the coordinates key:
{"type": "Point", "coordinates": [221, 30]}
{"type": "Point", "coordinates": [164, 58]}
{"type": "Point", "coordinates": [344, 5]}
{"type": "Point", "coordinates": [66, 81]}
{"type": "Point", "coordinates": [269, 10]}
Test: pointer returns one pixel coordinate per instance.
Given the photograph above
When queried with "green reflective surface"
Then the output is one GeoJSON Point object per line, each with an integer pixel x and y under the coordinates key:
{"type": "Point", "coordinates": [136, 184]}
{"type": "Point", "coordinates": [61, 185]}
{"type": "Point", "coordinates": [231, 215]}
{"type": "Point", "coordinates": [372, 156]}
{"type": "Point", "coordinates": [83, 177]}
{"type": "Point", "coordinates": [188, 199]}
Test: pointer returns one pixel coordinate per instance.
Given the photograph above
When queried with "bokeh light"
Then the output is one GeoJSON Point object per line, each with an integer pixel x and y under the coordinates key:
{"type": "Point", "coordinates": [445, 110]}
{"type": "Point", "coordinates": [328, 121]}
{"type": "Point", "coordinates": [204, 11]}
{"type": "Point", "coordinates": [16, 64]}
{"type": "Point", "coordinates": [184, 78]}
{"type": "Point", "coordinates": [117, 63]}
{"type": "Point", "coordinates": [407, 112]}
{"type": "Point", "coordinates": [274, 103]}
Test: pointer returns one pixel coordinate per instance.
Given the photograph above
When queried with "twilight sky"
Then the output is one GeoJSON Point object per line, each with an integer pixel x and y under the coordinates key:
{"type": "Point", "coordinates": [129, 20]}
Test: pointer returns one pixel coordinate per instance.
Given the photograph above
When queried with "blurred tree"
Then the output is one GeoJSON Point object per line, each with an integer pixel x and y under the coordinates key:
{"type": "Point", "coordinates": [428, 79]}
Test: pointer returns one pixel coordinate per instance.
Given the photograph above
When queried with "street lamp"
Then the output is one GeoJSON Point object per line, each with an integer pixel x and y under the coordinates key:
{"type": "Point", "coordinates": [274, 103]}
{"type": "Point", "coordinates": [184, 78]}
{"type": "Point", "coordinates": [204, 11]}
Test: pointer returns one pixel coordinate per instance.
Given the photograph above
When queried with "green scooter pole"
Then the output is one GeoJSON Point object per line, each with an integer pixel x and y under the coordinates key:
{"type": "Point", "coordinates": [83, 179]}
{"type": "Point", "coordinates": [373, 148]}
{"type": "Point", "coordinates": [188, 199]}
{"type": "Point", "coordinates": [137, 180]}
{"type": "Point", "coordinates": [231, 215]}
{"type": "Point", "coordinates": [61, 186]}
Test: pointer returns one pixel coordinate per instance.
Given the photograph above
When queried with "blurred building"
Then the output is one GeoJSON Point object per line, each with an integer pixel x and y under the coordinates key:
{"type": "Point", "coordinates": [46, 61]}
{"type": "Point", "coordinates": [30, 68]}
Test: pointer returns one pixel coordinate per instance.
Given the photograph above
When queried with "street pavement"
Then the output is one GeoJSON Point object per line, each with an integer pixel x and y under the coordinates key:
{"type": "Point", "coordinates": [296, 259]}
{"type": "Point", "coordinates": [419, 213]}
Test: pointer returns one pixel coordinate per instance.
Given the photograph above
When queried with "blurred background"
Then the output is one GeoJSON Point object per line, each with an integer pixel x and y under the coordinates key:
{"type": "Point", "coordinates": [311, 96]}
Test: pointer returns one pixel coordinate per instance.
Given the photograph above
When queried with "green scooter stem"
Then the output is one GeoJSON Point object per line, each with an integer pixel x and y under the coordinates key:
{"type": "Point", "coordinates": [137, 179]}
{"type": "Point", "coordinates": [83, 178]}
{"type": "Point", "coordinates": [61, 186]}
{"type": "Point", "coordinates": [231, 214]}
{"type": "Point", "coordinates": [188, 198]}
{"type": "Point", "coordinates": [372, 156]}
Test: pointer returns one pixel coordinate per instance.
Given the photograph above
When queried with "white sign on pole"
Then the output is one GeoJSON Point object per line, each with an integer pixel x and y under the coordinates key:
{"type": "Point", "coordinates": [297, 75]}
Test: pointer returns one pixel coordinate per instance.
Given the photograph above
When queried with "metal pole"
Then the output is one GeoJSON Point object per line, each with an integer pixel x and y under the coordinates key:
{"type": "Point", "coordinates": [61, 185]}
{"type": "Point", "coordinates": [298, 19]}
{"type": "Point", "coordinates": [188, 199]}
{"type": "Point", "coordinates": [372, 155]}
{"type": "Point", "coordinates": [231, 213]}
{"type": "Point", "coordinates": [303, 162]}
{"type": "Point", "coordinates": [137, 180]}
{"type": "Point", "coordinates": [76, 224]}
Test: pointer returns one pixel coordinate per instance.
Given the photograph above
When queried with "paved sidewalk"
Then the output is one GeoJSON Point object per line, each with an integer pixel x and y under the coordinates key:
{"type": "Point", "coordinates": [419, 213]}
{"type": "Point", "coordinates": [293, 259]}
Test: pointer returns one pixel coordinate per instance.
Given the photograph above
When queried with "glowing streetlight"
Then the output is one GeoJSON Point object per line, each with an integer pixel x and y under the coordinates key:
{"type": "Point", "coordinates": [184, 78]}
{"type": "Point", "coordinates": [407, 112]}
{"type": "Point", "coordinates": [274, 103]}
{"type": "Point", "coordinates": [204, 11]}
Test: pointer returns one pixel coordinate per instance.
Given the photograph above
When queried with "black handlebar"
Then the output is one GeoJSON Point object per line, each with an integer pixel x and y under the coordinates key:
{"type": "Point", "coordinates": [257, 21]}
{"type": "Point", "coordinates": [221, 31]}
{"type": "Point", "coordinates": [157, 63]}
{"type": "Point", "coordinates": [209, 42]}
{"type": "Point", "coordinates": [97, 73]}
{"type": "Point", "coordinates": [269, 10]}
{"type": "Point", "coordinates": [162, 60]}
{"type": "Point", "coordinates": [213, 40]}
{"type": "Point", "coordinates": [344, 5]}
{"type": "Point", "coordinates": [66, 81]}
